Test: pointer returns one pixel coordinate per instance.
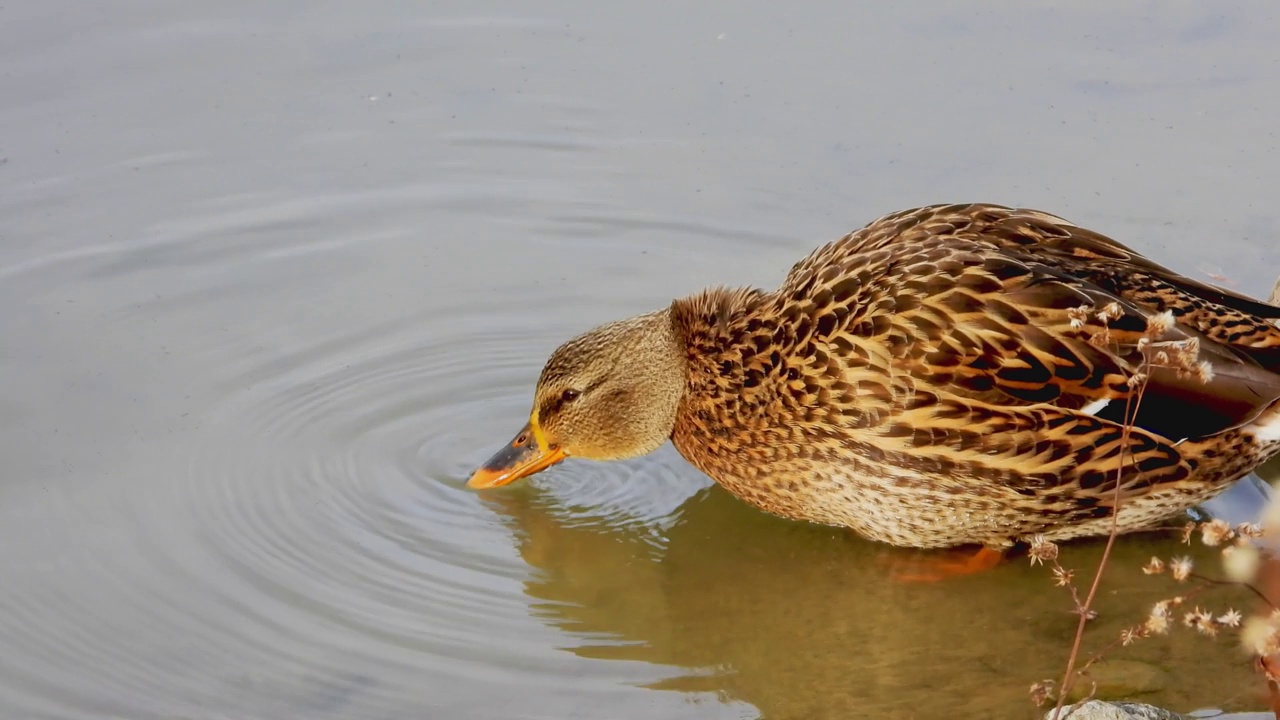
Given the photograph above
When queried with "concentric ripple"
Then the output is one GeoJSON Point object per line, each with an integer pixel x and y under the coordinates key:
{"type": "Point", "coordinates": [332, 493]}
{"type": "Point", "coordinates": [310, 548]}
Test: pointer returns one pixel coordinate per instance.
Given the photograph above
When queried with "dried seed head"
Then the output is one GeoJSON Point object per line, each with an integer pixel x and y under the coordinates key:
{"type": "Point", "coordinates": [1241, 564]}
{"type": "Point", "coordinates": [1078, 316]}
{"type": "Point", "coordinates": [1249, 530]}
{"type": "Point", "coordinates": [1204, 372]}
{"type": "Point", "coordinates": [1187, 529]}
{"type": "Point", "coordinates": [1180, 568]}
{"type": "Point", "coordinates": [1202, 621]}
{"type": "Point", "coordinates": [1062, 576]}
{"type": "Point", "coordinates": [1042, 692]}
{"type": "Point", "coordinates": [1186, 358]}
{"type": "Point", "coordinates": [1156, 624]}
{"type": "Point", "coordinates": [1153, 567]}
{"type": "Point", "coordinates": [1159, 324]}
{"type": "Point", "coordinates": [1129, 636]}
{"type": "Point", "coordinates": [1216, 532]}
{"type": "Point", "coordinates": [1258, 636]}
{"type": "Point", "coordinates": [1231, 618]}
{"type": "Point", "coordinates": [1042, 550]}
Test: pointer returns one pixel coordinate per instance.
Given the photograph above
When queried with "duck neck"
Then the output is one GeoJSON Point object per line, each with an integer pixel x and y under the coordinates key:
{"type": "Point", "coordinates": [661, 357]}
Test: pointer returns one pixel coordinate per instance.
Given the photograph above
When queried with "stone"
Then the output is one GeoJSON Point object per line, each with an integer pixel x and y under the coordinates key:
{"type": "Point", "coordinates": [1119, 680]}
{"type": "Point", "coordinates": [1101, 710]}
{"type": "Point", "coordinates": [1220, 715]}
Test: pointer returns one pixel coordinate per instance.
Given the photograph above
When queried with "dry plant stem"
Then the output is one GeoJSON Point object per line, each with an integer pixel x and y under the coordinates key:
{"type": "Point", "coordinates": [1210, 583]}
{"type": "Point", "coordinates": [1071, 587]}
{"type": "Point", "coordinates": [1131, 405]}
{"type": "Point", "coordinates": [1245, 585]}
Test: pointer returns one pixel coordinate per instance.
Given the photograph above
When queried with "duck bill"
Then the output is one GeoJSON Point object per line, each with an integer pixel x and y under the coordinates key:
{"type": "Point", "coordinates": [526, 454]}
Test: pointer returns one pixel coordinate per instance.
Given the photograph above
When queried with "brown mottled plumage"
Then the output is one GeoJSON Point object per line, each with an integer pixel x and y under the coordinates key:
{"type": "Point", "coordinates": [945, 375]}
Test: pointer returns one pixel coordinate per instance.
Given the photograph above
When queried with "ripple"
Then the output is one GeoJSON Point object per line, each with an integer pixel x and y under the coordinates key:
{"type": "Point", "coordinates": [344, 499]}
{"type": "Point", "coordinates": [316, 536]}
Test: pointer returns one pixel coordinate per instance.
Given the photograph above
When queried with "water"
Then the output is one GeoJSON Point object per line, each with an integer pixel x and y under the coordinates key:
{"type": "Point", "coordinates": [275, 278]}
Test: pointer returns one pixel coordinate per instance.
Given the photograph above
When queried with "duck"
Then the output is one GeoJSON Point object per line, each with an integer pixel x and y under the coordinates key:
{"type": "Point", "coordinates": [945, 376]}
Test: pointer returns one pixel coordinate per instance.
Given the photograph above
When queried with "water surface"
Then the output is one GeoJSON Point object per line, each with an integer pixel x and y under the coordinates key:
{"type": "Point", "coordinates": [276, 277]}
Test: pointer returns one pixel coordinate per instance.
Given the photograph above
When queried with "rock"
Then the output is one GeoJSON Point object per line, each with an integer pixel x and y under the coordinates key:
{"type": "Point", "coordinates": [1220, 715]}
{"type": "Point", "coordinates": [1099, 710]}
{"type": "Point", "coordinates": [1120, 680]}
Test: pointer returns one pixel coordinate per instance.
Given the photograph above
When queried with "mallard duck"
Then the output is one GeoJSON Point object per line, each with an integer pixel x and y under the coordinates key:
{"type": "Point", "coordinates": [947, 375]}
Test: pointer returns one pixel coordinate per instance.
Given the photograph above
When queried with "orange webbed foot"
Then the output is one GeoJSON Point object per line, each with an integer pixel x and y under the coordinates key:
{"type": "Point", "coordinates": [949, 564]}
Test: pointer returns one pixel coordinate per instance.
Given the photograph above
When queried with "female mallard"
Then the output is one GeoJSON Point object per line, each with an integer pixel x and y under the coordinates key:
{"type": "Point", "coordinates": [944, 376]}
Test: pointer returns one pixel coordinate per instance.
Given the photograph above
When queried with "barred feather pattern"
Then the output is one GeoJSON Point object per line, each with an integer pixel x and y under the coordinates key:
{"type": "Point", "coordinates": [927, 381]}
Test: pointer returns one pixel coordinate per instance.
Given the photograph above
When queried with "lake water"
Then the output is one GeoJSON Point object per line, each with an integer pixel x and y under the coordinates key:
{"type": "Point", "coordinates": [276, 276]}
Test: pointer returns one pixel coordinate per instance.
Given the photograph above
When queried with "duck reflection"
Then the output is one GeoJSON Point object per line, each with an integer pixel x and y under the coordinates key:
{"type": "Point", "coordinates": [804, 622]}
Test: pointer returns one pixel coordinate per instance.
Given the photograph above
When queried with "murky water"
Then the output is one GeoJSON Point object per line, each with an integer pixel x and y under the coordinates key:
{"type": "Point", "coordinates": [275, 277]}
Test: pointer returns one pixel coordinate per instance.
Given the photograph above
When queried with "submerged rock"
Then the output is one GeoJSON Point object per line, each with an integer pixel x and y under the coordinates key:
{"type": "Point", "coordinates": [1120, 679]}
{"type": "Point", "coordinates": [1099, 710]}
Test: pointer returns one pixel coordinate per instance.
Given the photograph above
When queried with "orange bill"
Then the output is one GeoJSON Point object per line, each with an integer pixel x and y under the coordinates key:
{"type": "Point", "coordinates": [527, 454]}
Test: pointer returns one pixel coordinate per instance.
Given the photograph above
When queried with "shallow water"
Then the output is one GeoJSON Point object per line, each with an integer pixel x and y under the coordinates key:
{"type": "Point", "coordinates": [275, 278]}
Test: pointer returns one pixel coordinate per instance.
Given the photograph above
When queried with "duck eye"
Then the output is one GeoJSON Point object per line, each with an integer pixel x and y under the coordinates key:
{"type": "Point", "coordinates": [569, 395]}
